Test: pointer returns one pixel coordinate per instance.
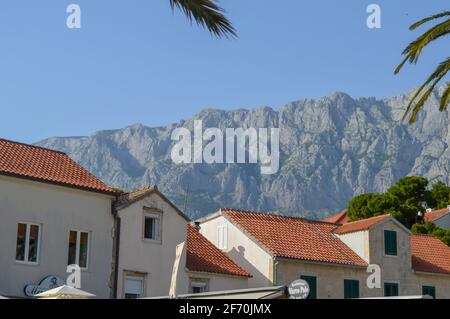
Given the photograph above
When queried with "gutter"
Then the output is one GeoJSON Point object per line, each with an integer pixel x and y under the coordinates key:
{"type": "Point", "coordinates": [117, 227]}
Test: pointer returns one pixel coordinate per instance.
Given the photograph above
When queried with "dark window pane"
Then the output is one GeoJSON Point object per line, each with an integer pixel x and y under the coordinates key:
{"type": "Point", "coordinates": [429, 290]}
{"type": "Point", "coordinates": [72, 248]}
{"type": "Point", "coordinates": [83, 249]}
{"type": "Point", "coordinates": [20, 247]}
{"type": "Point", "coordinates": [33, 243]}
{"type": "Point", "coordinates": [351, 289]}
{"type": "Point", "coordinates": [390, 289]}
{"type": "Point", "coordinates": [312, 282]}
{"type": "Point", "coordinates": [390, 242]}
{"type": "Point", "coordinates": [148, 228]}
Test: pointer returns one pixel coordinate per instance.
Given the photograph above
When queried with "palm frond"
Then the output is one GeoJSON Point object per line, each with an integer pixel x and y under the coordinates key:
{"type": "Point", "coordinates": [434, 79]}
{"type": "Point", "coordinates": [414, 49]}
{"type": "Point", "coordinates": [445, 99]}
{"type": "Point", "coordinates": [207, 14]}
{"type": "Point", "coordinates": [433, 17]}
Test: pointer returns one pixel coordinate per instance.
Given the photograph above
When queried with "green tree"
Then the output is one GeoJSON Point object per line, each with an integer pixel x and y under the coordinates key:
{"type": "Point", "coordinates": [432, 229]}
{"type": "Point", "coordinates": [358, 207]}
{"type": "Point", "coordinates": [207, 14]}
{"type": "Point", "coordinates": [412, 54]}
{"type": "Point", "coordinates": [439, 196]}
{"type": "Point", "coordinates": [403, 200]}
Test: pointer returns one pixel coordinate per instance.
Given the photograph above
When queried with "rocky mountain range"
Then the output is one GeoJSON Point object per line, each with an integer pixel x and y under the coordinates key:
{"type": "Point", "coordinates": [331, 149]}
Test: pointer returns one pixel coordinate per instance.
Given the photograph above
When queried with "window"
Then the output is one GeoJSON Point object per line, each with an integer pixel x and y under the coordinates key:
{"type": "Point", "coordinates": [28, 242]}
{"type": "Point", "coordinates": [152, 225]}
{"type": "Point", "coordinates": [199, 285]}
{"type": "Point", "coordinates": [429, 290]}
{"type": "Point", "coordinates": [390, 243]}
{"type": "Point", "coordinates": [312, 282]}
{"type": "Point", "coordinates": [390, 289]}
{"type": "Point", "coordinates": [222, 237]}
{"type": "Point", "coordinates": [78, 248]}
{"type": "Point", "coordinates": [134, 287]}
{"type": "Point", "coordinates": [351, 289]}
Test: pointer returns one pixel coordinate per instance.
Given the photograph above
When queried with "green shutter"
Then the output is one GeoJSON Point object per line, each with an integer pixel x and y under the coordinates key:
{"type": "Point", "coordinates": [351, 289]}
{"type": "Point", "coordinates": [429, 290]}
{"type": "Point", "coordinates": [390, 242]}
{"type": "Point", "coordinates": [390, 289]}
{"type": "Point", "coordinates": [312, 282]}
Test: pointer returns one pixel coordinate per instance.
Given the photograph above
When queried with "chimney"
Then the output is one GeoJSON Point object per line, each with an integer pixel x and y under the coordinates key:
{"type": "Point", "coordinates": [420, 217]}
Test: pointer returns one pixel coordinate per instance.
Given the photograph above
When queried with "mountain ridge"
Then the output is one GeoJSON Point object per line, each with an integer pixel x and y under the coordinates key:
{"type": "Point", "coordinates": [331, 149]}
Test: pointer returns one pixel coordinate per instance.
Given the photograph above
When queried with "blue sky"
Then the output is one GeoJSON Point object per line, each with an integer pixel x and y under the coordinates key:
{"type": "Point", "coordinates": [136, 61]}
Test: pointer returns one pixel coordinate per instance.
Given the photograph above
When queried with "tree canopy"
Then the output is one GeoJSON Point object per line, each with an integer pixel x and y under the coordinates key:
{"type": "Point", "coordinates": [403, 200]}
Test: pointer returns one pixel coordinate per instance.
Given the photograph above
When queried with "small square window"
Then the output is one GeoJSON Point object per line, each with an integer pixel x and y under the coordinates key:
{"type": "Point", "coordinates": [152, 226]}
{"type": "Point", "coordinates": [429, 290]}
{"type": "Point", "coordinates": [199, 285]}
{"type": "Point", "coordinates": [390, 289]}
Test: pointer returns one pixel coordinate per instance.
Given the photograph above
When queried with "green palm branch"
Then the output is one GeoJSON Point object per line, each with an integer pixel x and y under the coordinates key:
{"type": "Point", "coordinates": [207, 14]}
{"type": "Point", "coordinates": [412, 54]}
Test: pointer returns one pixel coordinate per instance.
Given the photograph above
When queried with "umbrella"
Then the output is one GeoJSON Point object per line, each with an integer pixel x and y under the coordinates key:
{"type": "Point", "coordinates": [65, 292]}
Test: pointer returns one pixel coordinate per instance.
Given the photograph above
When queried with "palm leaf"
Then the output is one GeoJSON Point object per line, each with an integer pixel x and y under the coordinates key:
{"type": "Point", "coordinates": [433, 17]}
{"type": "Point", "coordinates": [445, 99]}
{"type": "Point", "coordinates": [414, 49]}
{"type": "Point", "coordinates": [434, 79]}
{"type": "Point", "coordinates": [208, 14]}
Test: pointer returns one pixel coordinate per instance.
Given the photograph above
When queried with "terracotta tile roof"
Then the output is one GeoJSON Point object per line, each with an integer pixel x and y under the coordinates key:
{"type": "Point", "coordinates": [360, 224]}
{"type": "Point", "coordinates": [339, 218]}
{"type": "Point", "coordinates": [294, 238]}
{"type": "Point", "coordinates": [203, 256]}
{"type": "Point", "coordinates": [45, 165]}
{"type": "Point", "coordinates": [436, 214]}
{"type": "Point", "coordinates": [430, 254]}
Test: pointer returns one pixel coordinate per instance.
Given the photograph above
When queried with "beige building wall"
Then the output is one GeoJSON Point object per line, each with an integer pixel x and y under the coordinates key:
{"type": "Point", "coordinates": [241, 249]}
{"type": "Point", "coordinates": [57, 210]}
{"type": "Point", "coordinates": [153, 260]}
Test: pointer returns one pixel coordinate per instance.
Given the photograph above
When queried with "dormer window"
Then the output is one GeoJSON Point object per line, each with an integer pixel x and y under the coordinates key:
{"type": "Point", "coordinates": [390, 243]}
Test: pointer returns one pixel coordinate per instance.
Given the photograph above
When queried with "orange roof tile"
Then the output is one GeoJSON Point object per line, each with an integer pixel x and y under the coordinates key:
{"type": "Point", "coordinates": [45, 165]}
{"type": "Point", "coordinates": [339, 218]}
{"type": "Point", "coordinates": [203, 256]}
{"type": "Point", "coordinates": [430, 254]}
{"type": "Point", "coordinates": [359, 225]}
{"type": "Point", "coordinates": [436, 214]}
{"type": "Point", "coordinates": [294, 238]}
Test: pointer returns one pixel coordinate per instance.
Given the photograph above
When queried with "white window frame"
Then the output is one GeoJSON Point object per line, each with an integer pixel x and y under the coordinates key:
{"type": "Point", "coordinates": [27, 244]}
{"type": "Point", "coordinates": [199, 283]}
{"type": "Point", "coordinates": [77, 247]}
{"type": "Point", "coordinates": [222, 237]}
{"type": "Point", "coordinates": [156, 215]}
{"type": "Point", "coordinates": [136, 277]}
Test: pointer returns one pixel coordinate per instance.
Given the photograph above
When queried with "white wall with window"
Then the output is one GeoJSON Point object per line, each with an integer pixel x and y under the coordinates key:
{"type": "Point", "coordinates": [151, 228]}
{"type": "Point", "coordinates": [222, 237]}
{"type": "Point", "coordinates": [37, 241]}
